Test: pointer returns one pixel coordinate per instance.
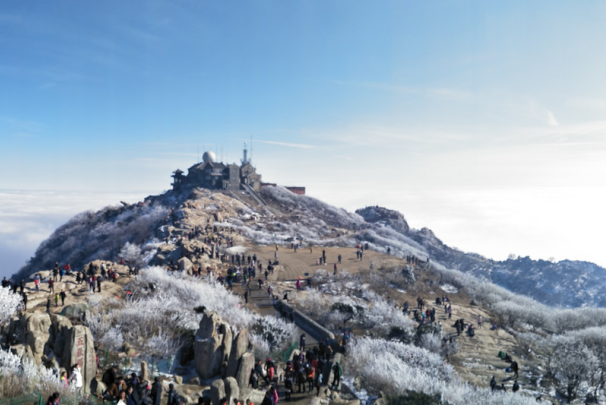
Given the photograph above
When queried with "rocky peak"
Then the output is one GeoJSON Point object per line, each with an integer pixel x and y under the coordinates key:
{"type": "Point", "coordinates": [376, 214]}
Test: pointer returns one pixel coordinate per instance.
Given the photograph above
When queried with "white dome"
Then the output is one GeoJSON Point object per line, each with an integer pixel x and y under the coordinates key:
{"type": "Point", "coordinates": [209, 157]}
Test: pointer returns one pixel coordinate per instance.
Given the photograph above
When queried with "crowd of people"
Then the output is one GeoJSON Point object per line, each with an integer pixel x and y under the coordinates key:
{"type": "Point", "coordinates": [306, 372]}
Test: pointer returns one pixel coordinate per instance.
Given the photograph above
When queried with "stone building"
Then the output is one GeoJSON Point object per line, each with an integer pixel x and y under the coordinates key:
{"type": "Point", "coordinates": [217, 175]}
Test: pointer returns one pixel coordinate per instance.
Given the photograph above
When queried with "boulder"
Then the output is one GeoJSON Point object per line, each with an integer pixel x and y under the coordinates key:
{"type": "Point", "coordinates": [185, 264]}
{"type": "Point", "coordinates": [217, 392]}
{"type": "Point", "coordinates": [75, 311]}
{"type": "Point", "coordinates": [255, 396]}
{"type": "Point", "coordinates": [37, 333]}
{"type": "Point", "coordinates": [238, 348]}
{"type": "Point", "coordinates": [144, 373]}
{"type": "Point", "coordinates": [212, 346]}
{"type": "Point", "coordinates": [178, 379]}
{"type": "Point", "coordinates": [194, 381]}
{"type": "Point", "coordinates": [381, 400]}
{"type": "Point", "coordinates": [79, 349]}
{"type": "Point", "coordinates": [208, 356]}
{"type": "Point", "coordinates": [209, 325]}
{"type": "Point", "coordinates": [231, 389]}
{"type": "Point", "coordinates": [60, 330]}
{"type": "Point", "coordinates": [247, 362]}
{"type": "Point", "coordinates": [228, 338]}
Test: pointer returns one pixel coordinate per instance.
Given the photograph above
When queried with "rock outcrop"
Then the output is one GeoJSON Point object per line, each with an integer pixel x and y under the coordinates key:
{"type": "Point", "coordinates": [79, 349]}
{"type": "Point", "coordinates": [54, 341]}
{"type": "Point", "coordinates": [218, 350]}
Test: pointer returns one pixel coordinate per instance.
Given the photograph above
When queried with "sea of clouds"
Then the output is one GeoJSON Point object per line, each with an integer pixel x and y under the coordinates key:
{"type": "Point", "coordinates": [29, 217]}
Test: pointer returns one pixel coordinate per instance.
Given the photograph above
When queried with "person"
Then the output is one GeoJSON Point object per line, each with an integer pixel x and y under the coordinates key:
{"type": "Point", "coordinates": [99, 284]}
{"type": "Point", "coordinates": [273, 393]}
{"type": "Point", "coordinates": [302, 342]}
{"type": "Point", "coordinates": [493, 383]}
{"type": "Point", "coordinates": [270, 372]}
{"type": "Point", "coordinates": [288, 382]}
{"type": "Point", "coordinates": [246, 296]}
{"type": "Point", "coordinates": [134, 380]}
{"type": "Point", "coordinates": [156, 391]}
{"type": "Point", "coordinates": [301, 377]}
{"type": "Point", "coordinates": [37, 283]}
{"type": "Point", "coordinates": [516, 386]}
{"type": "Point", "coordinates": [63, 296]}
{"type": "Point", "coordinates": [57, 300]}
{"type": "Point", "coordinates": [254, 379]}
{"type": "Point", "coordinates": [48, 305]}
{"type": "Point", "coordinates": [335, 272]}
{"type": "Point", "coordinates": [328, 353]}
{"type": "Point", "coordinates": [514, 368]}
{"type": "Point", "coordinates": [311, 377]}
{"type": "Point", "coordinates": [318, 383]}
{"type": "Point", "coordinates": [259, 371]}
{"type": "Point", "coordinates": [133, 397]}
{"type": "Point", "coordinates": [338, 372]}
{"type": "Point", "coordinates": [51, 285]}
{"type": "Point", "coordinates": [53, 399]}
{"type": "Point", "coordinates": [480, 321]}
{"type": "Point", "coordinates": [173, 398]}
{"type": "Point", "coordinates": [266, 399]}
{"type": "Point", "coordinates": [76, 379]}
{"type": "Point", "coordinates": [110, 376]}
{"type": "Point", "coordinates": [122, 400]}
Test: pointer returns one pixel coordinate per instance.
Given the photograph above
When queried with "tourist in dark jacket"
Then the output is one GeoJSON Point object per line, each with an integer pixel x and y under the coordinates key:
{"type": "Point", "coordinates": [156, 392]}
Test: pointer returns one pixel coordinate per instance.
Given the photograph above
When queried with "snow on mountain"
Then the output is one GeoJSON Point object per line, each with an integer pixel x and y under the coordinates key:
{"type": "Point", "coordinates": [289, 217]}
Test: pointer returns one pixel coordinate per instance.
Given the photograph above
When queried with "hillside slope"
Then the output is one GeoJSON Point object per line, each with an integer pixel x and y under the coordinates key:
{"type": "Point", "coordinates": [566, 283]}
{"type": "Point", "coordinates": [102, 235]}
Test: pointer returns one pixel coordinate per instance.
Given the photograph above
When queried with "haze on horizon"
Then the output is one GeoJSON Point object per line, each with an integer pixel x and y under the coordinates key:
{"type": "Point", "coordinates": [485, 122]}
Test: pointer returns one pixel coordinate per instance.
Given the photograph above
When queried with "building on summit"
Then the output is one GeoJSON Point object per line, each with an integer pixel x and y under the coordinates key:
{"type": "Point", "coordinates": [219, 176]}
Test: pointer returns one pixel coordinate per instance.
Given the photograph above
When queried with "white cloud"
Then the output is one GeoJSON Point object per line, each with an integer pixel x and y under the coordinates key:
{"type": "Point", "coordinates": [589, 103]}
{"type": "Point", "coordinates": [551, 120]}
{"type": "Point", "coordinates": [29, 217]}
{"type": "Point", "coordinates": [287, 144]}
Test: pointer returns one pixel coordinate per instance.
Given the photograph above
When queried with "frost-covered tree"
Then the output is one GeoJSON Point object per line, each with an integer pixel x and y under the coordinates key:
{"type": "Point", "coordinates": [595, 339]}
{"type": "Point", "coordinates": [9, 304]}
{"type": "Point", "coordinates": [572, 363]}
{"type": "Point", "coordinates": [397, 368]}
{"type": "Point", "coordinates": [19, 376]}
{"type": "Point", "coordinates": [113, 339]}
{"type": "Point", "coordinates": [131, 253]}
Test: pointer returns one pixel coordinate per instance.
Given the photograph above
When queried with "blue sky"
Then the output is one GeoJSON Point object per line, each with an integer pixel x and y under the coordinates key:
{"type": "Point", "coordinates": [484, 121]}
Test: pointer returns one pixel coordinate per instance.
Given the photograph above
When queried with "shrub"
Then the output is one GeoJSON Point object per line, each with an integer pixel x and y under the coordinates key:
{"type": "Point", "coordinates": [9, 304]}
